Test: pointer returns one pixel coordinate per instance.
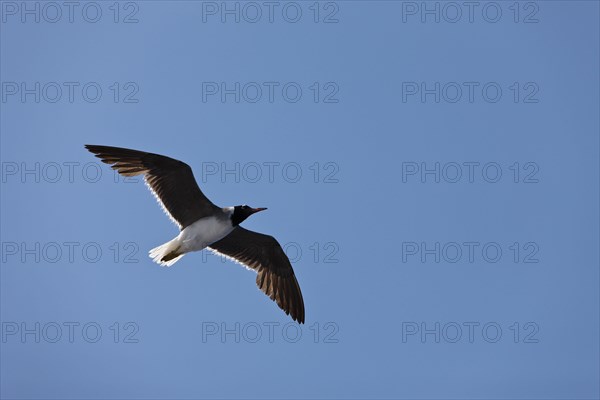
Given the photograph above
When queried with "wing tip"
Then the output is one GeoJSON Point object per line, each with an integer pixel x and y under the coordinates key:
{"type": "Point", "coordinates": [97, 150]}
{"type": "Point", "coordinates": [291, 300]}
{"type": "Point", "coordinates": [91, 147]}
{"type": "Point", "coordinates": [94, 147]}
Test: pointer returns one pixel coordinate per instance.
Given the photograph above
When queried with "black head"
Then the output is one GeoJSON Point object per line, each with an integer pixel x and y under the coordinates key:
{"type": "Point", "coordinates": [240, 213]}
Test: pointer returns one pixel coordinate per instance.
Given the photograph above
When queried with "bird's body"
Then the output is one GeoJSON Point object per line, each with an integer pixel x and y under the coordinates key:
{"type": "Point", "coordinates": [204, 225]}
{"type": "Point", "coordinates": [194, 237]}
{"type": "Point", "coordinates": [205, 232]}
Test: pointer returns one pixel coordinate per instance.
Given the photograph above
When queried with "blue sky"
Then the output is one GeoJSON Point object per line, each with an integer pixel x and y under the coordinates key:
{"type": "Point", "coordinates": [434, 178]}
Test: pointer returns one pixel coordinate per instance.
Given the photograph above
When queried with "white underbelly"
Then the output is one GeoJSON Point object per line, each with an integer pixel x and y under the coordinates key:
{"type": "Point", "coordinates": [202, 233]}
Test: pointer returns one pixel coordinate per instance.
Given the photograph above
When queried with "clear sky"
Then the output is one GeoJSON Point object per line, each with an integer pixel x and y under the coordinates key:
{"type": "Point", "coordinates": [431, 169]}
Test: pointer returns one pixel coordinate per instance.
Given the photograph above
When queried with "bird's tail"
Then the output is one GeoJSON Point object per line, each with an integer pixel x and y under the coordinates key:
{"type": "Point", "coordinates": [167, 254]}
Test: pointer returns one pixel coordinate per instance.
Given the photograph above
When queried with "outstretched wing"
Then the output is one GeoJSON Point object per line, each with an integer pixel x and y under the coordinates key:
{"type": "Point", "coordinates": [171, 181]}
{"type": "Point", "coordinates": [263, 254]}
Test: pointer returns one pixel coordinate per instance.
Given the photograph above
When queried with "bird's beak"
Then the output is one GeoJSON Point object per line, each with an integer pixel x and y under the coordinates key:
{"type": "Point", "coordinates": [255, 210]}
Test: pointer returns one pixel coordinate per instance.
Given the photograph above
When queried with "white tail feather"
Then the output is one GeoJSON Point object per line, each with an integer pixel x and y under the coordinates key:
{"type": "Point", "coordinates": [161, 251]}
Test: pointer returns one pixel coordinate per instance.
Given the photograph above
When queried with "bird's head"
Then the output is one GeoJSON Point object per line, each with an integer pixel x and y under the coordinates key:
{"type": "Point", "coordinates": [240, 213]}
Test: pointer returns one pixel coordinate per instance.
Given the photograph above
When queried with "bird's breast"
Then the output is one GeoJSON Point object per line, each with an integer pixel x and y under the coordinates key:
{"type": "Point", "coordinates": [204, 232]}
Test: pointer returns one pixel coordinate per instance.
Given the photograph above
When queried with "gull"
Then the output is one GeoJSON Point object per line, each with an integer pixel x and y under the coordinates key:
{"type": "Point", "coordinates": [205, 225]}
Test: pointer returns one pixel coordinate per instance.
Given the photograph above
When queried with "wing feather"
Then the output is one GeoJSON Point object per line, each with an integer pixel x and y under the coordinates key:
{"type": "Point", "coordinates": [275, 275]}
{"type": "Point", "coordinates": [171, 181]}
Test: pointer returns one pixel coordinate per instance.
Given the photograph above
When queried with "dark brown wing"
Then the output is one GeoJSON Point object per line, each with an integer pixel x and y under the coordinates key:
{"type": "Point", "coordinates": [263, 254]}
{"type": "Point", "coordinates": [170, 180]}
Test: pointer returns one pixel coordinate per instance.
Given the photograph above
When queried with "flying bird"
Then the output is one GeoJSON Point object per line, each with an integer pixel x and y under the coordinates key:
{"type": "Point", "coordinates": [205, 225]}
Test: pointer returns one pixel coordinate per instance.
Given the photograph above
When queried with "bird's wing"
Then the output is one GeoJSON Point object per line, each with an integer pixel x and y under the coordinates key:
{"type": "Point", "coordinates": [171, 181]}
{"type": "Point", "coordinates": [263, 254]}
